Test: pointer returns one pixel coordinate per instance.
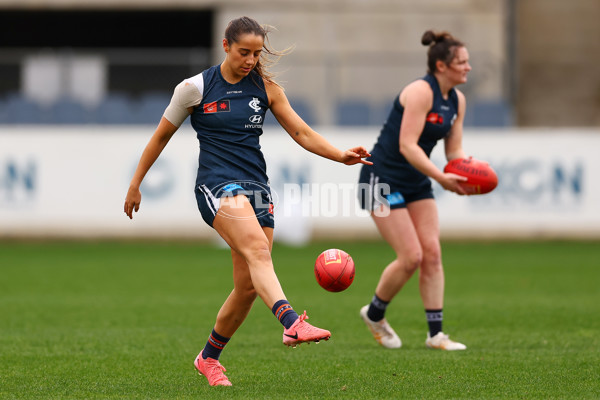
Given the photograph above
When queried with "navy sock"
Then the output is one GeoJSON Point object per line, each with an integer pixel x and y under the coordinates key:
{"type": "Point", "coordinates": [434, 320]}
{"type": "Point", "coordinates": [284, 313]}
{"type": "Point", "coordinates": [214, 345]}
{"type": "Point", "coordinates": [377, 309]}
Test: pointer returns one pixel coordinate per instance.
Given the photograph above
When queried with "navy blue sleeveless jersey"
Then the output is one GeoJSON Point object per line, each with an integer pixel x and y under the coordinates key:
{"type": "Point", "coordinates": [391, 168]}
{"type": "Point", "coordinates": [229, 123]}
{"type": "Point", "coordinates": [439, 122]}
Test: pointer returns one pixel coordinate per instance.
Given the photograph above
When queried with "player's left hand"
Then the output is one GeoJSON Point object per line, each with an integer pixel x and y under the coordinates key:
{"type": "Point", "coordinates": [355, 155]}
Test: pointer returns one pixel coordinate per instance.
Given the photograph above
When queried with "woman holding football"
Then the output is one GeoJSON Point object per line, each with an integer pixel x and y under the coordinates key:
{"type": "Point", "coordinates": [227, 105]}
{"type": "Point", "coordinates": [399, 194]}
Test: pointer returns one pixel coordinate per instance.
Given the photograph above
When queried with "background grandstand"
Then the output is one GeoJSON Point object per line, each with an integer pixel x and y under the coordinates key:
{"type": "Point", "coordinates": [108, 68]}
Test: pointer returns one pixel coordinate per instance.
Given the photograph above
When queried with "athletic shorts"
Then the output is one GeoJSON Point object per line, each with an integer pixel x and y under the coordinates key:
{"type": "Point", "coordinates": [259, 195]}
{"type": "Point", "coordinates": [376, 189]}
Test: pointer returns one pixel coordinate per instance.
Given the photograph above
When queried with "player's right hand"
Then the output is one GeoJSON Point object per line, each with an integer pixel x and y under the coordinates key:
{"type": "Point", "coordinates": [451, 182]}
{"type": "Point", "coordinates": [132, 201]}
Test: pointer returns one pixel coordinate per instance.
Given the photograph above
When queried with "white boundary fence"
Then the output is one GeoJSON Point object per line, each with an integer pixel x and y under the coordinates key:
{"type": "Point", "coordinates": [70, 181]}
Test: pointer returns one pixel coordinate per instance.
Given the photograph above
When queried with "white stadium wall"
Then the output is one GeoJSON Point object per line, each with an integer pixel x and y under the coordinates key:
{"type": "Point", "coordinates": [71, 182]}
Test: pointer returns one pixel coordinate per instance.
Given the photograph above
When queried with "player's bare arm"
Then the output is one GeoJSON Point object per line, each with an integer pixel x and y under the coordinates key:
{"type": "Point", "coordinates": [304, 135]}
{"type": "Point", "coordinates": [155, 146]}
{"type": "Point", "coordinates": [417, 99]}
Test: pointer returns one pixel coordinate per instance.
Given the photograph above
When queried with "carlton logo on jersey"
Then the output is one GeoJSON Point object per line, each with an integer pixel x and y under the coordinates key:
{"type": "Point", "coordinates": [255, 119]}
{"type": "Point", "coordinates": [217, 106]}
{"type": "Point", "coordinates": [254, 104]}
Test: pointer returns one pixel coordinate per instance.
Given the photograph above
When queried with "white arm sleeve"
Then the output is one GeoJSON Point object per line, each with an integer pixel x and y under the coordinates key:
{"type": "Point", "coordinates": [187, 94]}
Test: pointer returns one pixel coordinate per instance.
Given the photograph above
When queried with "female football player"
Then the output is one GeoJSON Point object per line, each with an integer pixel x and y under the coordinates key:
{"type": "Point", "coordinates": [400, 196]}
{"type": "Point", "coordinates": [227, 105]}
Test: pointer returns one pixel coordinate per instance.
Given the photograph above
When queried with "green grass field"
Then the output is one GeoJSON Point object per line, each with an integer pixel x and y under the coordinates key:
{"type": "Point", "coordinates": [126, 320]}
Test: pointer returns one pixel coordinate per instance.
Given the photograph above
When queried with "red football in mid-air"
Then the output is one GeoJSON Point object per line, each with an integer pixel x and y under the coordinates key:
{"type": "Point", "coordinates": [334, 270]}
{"type": "Point", "coordinates": [481, 178]}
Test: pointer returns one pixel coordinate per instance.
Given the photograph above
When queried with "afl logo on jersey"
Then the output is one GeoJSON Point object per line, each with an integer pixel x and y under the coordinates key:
{"type": "Point", "coordinates": [254, 104]}
{"type": "Point", "coordinates": [255, 119]}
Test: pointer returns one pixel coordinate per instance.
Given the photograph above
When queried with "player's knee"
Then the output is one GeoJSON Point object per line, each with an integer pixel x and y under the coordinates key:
{"type": "Point", "coordinates": [432, 257]}
{"type": "Point", "coordinates": [257, 252]}
{"type": "Point", "coordinates": [413, 264]}
{"type": "Point", "coordinates": [432, 265]}
{"type": "Point", "coordinates": [411, 260]}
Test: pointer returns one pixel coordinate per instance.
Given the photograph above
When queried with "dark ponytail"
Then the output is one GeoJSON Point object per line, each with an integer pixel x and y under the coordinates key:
{"type": "Point", "coordinates": [442, 47]}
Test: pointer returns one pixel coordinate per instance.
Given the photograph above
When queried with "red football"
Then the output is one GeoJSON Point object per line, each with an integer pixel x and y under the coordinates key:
{"type": "Point", "coordinates": [334, 270]}
{"type": "Point", "coordinates": [481, 177]}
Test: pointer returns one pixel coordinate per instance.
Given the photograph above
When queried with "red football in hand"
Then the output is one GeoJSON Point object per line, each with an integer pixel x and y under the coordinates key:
{"type": "Point", "coordinates": [481, 178]}
{"type": "Point", "coordinates": [334, 270]}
